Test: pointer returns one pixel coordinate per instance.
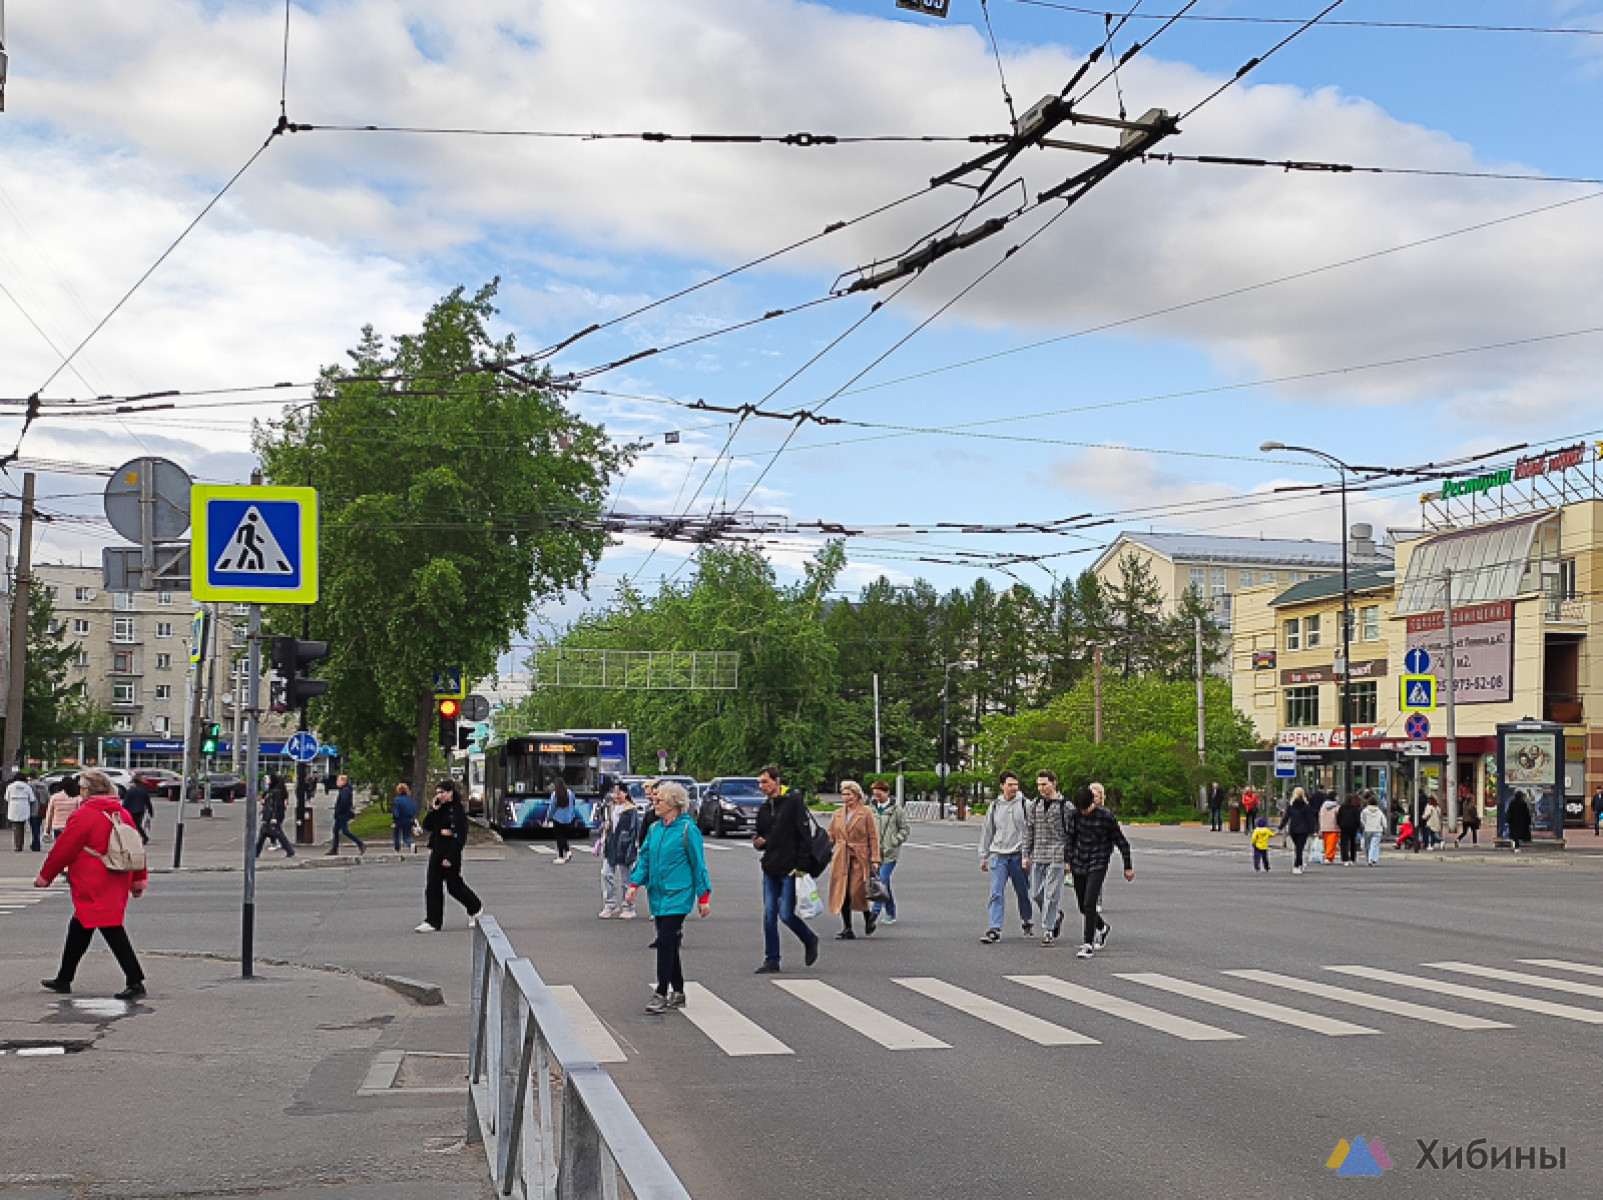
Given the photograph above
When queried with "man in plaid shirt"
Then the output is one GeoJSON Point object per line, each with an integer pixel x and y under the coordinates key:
{"type": "Point", "coordinates": [1093, 832]}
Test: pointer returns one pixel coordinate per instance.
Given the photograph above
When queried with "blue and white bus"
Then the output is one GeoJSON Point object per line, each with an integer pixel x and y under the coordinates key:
{"type": "Point", "coordinates": [520, 772]}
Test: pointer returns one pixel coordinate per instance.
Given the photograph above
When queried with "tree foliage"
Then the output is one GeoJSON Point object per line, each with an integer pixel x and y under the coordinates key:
{"type": "Point", "coordinates": [444, 485]}
{"type": "Point", "coordinates": [53, 713]}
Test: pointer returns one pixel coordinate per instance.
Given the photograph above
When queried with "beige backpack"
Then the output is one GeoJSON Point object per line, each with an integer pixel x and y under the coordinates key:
{"type": "Point", "coordinates": [125, 849]}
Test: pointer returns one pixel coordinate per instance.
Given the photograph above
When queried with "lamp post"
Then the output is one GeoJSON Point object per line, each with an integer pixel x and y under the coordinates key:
{"type": "Point", "coordinates": [1346, 611]}
{"type": "Point", "coordinates": [946, 724]}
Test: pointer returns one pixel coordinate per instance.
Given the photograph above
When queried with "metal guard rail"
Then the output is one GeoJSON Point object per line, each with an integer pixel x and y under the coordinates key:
{"type": "Point", "coordinates": [519, 1037]}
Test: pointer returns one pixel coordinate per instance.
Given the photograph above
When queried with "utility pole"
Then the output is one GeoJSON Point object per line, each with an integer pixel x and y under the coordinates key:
{"type": "Point", "coordinates": [1451, 781]}
{"type": "Point", "coordinates": [877, 767]}
{"type": "Point", "coordinates": [253, 658]}
{"type": "Point", "coordinates": [1202, 737]}
{"type": "Point", "coordinates": [1096, 694]}
{"type": "Point", "coordinates": [21, 588]}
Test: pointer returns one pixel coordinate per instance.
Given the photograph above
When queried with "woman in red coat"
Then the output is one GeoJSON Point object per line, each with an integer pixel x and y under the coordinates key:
{"type": "Point", "coordinates": [99, 896]}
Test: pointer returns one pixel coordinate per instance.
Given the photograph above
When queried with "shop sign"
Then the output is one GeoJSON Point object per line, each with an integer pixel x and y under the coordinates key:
{"type": "Point", "coordinates": [1263, 660]}
{"type": "Point", "coordinates": [1325, 739]}
{"type": "Point", "coordinates": [1533, 467]}
{"type": "Point", "coordinates": [1293, 676]}
{"type": "Point", "coordinates": [1483, 650]}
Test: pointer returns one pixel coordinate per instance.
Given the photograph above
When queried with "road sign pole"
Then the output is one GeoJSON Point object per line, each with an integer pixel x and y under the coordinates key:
{"type": "Point", "coordinates": [192, 710]}
{"type": "Point", "coordinates": [252, 787]}
{"type": "Point", "coordinates": [1452, 732]}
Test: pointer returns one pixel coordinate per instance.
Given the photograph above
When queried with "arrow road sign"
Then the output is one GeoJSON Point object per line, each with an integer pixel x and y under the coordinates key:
{"type": "Point", "coordinates": [302, 747]}
{"type": "Point", "coordinates": [255, 544]}
{"type": "Point", "coordinates": [1416, 661]}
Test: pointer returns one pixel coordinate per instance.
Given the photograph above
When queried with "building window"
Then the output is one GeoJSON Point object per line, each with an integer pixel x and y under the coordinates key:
{"type": "Point", "coordinates": [164, 597]}
{"type": "Point", "coordinates": [1293, 634]}
{"type": "Point", "coordinates": [162, 724]}
{"type": "Point", "coordinates": [55, 628]}
{"type": "Point", "coordinates": [122, 662]}
{"type": "Point", "coordinates": [83, 595]}
{"type": "Point", "coordinates": [1267, 577]}
{"type": "Point", "coordinates": [1199, 579]}
{"type": "Point", "coordinates": [1365, 702]}
{"type": "Point", "coordinates": [1293, 576]}
{"type": "Point", "coordinates": [164, 691]}
{"type": "Point", "coordinates": [164, 629]}
{"type": "Point", "coordinates": [81, 659]}
{"type": "Point", "coordinates": [80, 626]}
{"type": "Point", "coordinates": [122, 629]}
{"type": "Point", "coordinates": [1218, 581]}
{"type": "Point", "coordinates": [122, 601]}
{"type": "Point", "coordinates": [122, 724]}
{"type": "Point", "coordinates": [240, 634]}
{"type": "Point", "coordinates": [1302, 707]}
{"type": "Point", "coordinates": [122, 693]}
{"type": "Point", "coordinates": [1566, 579]}
{"type": "Point", "coordinates": [1310, 633]}
{"type": "Point", "coordinates": [1249, 579]}
{"type": "Point", "coordinates": [242, 610]}
{"type": "Point", "coordinates": [164, 662]}
{"type": "Point", "coordinates": [1369, 622]}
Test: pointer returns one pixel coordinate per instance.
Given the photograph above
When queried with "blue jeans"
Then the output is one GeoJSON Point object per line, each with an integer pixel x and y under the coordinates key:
{"type": "Point", "coordinates": [342, 825]}
{"type": "Point", "coordinates": [1003, 868]}
{"type": "Point", "coordinates": [885, 869]}
{"type": "Point", "coordinates": [399, 834]}
{"type": "Point", "coordinates": [779, 904]}
{"type": "Point", "coordinates": [1372, 847]}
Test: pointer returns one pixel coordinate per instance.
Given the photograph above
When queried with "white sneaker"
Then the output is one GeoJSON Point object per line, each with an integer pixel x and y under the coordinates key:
{"type": "Point", "coordinates": [473, 921]}
{"type": "Point", "coordinates": [1296, 870]}
{"type": "Point", "coordinates": [425, 928]}
{"type": "Point", "coordinates": [628, 914]}
{"type": "Point", "coordinates": [607, 914]}
{"type": "Point", "coordinates": [1084, 951]}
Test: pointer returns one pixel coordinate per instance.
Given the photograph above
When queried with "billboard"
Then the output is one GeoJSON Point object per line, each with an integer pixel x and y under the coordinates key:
{"type": "Point", "coordinates": [614, 748]}
{"type": "Point", "coordinates": [1483, 650]}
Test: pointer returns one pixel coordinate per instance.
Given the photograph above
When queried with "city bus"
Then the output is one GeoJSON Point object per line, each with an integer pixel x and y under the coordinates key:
{"type": "Point", "coordinates": [520, 771]}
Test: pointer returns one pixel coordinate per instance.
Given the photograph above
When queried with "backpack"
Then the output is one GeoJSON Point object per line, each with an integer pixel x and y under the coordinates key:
{"type": "Point", "coordinates": [817, 851]}
{"type": "Point", "coordinates": [125, 850]}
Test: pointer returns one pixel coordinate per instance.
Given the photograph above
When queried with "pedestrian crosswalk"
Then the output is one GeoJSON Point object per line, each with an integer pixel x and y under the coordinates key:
{"type": "Point", "coordinates": [17, 894]}
{"type": "Point", "coordinates": [939, 1014]}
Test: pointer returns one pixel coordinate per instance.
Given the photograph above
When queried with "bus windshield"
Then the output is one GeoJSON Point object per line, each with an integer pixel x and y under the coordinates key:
{"type": "Point", "coordinates": [534, 765]}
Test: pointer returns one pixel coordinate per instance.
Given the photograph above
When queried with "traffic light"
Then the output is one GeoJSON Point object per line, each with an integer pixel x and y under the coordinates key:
{"type": "Point", "coordinates": [291, 657]}
{"type": "Point", "coordinates": [210, 739]}
{"type": "Point", "coordinates": [449, 711]}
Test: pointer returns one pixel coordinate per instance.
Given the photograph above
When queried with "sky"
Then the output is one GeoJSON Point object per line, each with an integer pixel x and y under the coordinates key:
{"type": "Point", "coordinates": [1126, 362]}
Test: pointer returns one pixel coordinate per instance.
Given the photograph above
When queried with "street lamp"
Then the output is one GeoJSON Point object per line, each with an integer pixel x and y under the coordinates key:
{"type": "Point", "coordinates": [946, 687]}
{"type": "Point", "coordinates": [1346, 610]}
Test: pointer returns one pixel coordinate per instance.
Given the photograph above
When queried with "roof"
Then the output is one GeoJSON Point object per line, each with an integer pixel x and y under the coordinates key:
{"type": "Point", "coordinates": [1209, 548]}
{"type": "Point", "coordinates": [1363, 579]}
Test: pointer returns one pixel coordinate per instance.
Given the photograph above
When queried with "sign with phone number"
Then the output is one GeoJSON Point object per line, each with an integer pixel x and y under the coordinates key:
{"type": "Point", "coordinates": [1483, 650]}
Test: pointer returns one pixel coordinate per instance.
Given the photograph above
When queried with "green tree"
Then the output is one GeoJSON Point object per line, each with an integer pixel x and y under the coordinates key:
{"type": "Point", "coordinates": [52, 711]}
{"type": "Point", "coordinates": [448, 490]}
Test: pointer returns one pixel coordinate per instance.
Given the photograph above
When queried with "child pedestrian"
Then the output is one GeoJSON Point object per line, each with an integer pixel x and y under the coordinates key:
{"type": "Point", "coordinates": [1260, 845]}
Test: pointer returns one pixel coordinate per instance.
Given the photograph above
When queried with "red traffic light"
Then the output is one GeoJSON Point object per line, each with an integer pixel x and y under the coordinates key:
{"type": "Point", "coordinates": [450, 709]}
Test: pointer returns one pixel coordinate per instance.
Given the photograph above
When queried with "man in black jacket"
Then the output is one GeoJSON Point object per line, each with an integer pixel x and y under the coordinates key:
{"type": "Point", "coordinates": [344, 814]}
{"type": "Point", "coordinates": [1216, 807]}
{"type": "Point", "coordinates": [1093, 835]}
{"type": "Point", "coordinates": [136, 800]}
{"type": "Point", "coordinates": [447, 823]}
{"type": "Point", "coordinates": [783, 830]}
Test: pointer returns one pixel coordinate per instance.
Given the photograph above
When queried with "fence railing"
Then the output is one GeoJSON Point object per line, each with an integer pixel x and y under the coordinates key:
{"type": "Point", "coordinates": [521, 1052]}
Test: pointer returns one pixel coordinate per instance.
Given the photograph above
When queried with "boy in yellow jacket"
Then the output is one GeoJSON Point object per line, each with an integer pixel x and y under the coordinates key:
{"type": "Point", "coordinates": [1260, 845]}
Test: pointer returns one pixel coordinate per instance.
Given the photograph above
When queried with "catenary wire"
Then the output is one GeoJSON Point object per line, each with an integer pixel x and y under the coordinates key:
{"type": "Point", "coordinates": [1348, 24]}
{"type": "Point", "coordinates": [1252, 64]}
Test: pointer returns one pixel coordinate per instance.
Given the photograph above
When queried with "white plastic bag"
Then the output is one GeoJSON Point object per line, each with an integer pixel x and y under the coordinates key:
{"type": "Point", "coordinates": [808, 902]}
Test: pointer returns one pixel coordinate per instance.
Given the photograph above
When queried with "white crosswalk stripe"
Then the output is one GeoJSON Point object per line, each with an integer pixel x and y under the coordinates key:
{"type": "Point", "coordinates": [1129, 1010]}
{"type": "Point", "coordinates": [1560, 964]}
{"type": "Point", "coordinates": [16, 895]}
{"type": "Point", "coordinates": [1569, 1012]}
{"type": "Point", "coordinates": [732, 1032]}
{"type": "Point", "coordinates": [1026, 1025]}
{"type": "Point", "coordinates": [1574, 987]}
{"type": "Point", "coordinates": [1263, 1009]}
{"type": "Point", "coordinates": [859, 1017]}
{"type": "Point", "coordinates": [595, 1037]}
{"type": "Point", "coordinates": [1385, 1004]}
{"type": "Point", "coordinates": [551, 850]}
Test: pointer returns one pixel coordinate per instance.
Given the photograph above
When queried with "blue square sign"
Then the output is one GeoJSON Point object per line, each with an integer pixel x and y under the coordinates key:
{"type": "Point", "coordinates": [254, 544]}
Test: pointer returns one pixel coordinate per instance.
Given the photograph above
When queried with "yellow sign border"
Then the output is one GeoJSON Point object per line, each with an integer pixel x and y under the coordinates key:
{"type": "Point", "coordinates": [1402, 692]}
{"type": "Point", "coordinates": [200, 497]}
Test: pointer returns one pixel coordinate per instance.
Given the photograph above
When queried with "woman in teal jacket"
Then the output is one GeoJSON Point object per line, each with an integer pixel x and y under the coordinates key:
{"type": "Point", "coordinates": [673, 866]}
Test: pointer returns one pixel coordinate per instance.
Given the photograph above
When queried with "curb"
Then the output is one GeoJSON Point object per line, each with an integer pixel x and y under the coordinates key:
{"type": "Point", "coordinates": [313, 862]}
{"type": "Point", "coordinates": [426, 995]}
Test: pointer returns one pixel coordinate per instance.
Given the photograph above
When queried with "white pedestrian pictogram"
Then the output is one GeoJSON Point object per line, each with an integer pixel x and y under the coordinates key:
{"type": "Point", "coordinates": [1419, 694]}
{"type": "Point", "coordinates": [253, 550]}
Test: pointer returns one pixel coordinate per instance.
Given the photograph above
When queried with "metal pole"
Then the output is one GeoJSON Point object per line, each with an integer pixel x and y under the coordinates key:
{"type": "Point", "coordinates": [877, 767]}
{"type": "Point", "coordinates": [192, 707]}
{"type": "Point", "coordinates": [19, 626]}
{"type": "Point", "coordinates": [1346, 644]}
{"type": "Point", "coordinates": [1096, 693]}
{"type": "Point", "coordinates": [1452, 726]}
{"type": "Point", "coordinates": [1202, 737]}
{"type": "Point", "coordinates": [147, 525]}
{"type": "Point", "coordinates": [252, 761]}
{"type": "Point", "coordinates": [946, 683]}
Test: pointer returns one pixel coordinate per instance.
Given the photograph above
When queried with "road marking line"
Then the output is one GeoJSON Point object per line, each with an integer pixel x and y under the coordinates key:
{"type": "Point", "coordinates": [731, 1031]}
{"type": "Point", "coordinates": [971, 847]}
{"type": "Point", "coordinates": [1559, 964]}
{"type": "Point", "coordinates": [586, 1025]}
{"type": "Point", "coordinates": [1385, 1004]}
{"type": "Point", "coordinates": [1541, 981]}
{"type": "Point", "coordinates": [551, 850]}
{"type": "Point", "coordinates": [1129, 1010]}
{"type": "Point", "coordinates": [1236, 1002]}
{"type": "Point", "coordinates": [859, 1017]}
{"type": "Point", "coordinates": [1569, 1012]}
{"type": "Point", "coordinates": [1042, 1033]}
{"type": "Point", "coordinates": [715, 846]}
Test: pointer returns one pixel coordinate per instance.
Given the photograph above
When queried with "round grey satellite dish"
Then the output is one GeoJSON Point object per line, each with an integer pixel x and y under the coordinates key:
{"type": "Point", "coordinates": [169, 510]}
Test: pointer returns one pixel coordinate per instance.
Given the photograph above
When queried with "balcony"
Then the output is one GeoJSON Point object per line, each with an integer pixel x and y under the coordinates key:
{"type": "Point", "coordinates": [1563, 710]}
{"type": "Point", "coordinates": [1561, 610]}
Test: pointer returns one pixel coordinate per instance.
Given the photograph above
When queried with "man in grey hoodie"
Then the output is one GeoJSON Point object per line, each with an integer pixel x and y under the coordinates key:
{"type": "Point", "coordinates": [1002, 854]}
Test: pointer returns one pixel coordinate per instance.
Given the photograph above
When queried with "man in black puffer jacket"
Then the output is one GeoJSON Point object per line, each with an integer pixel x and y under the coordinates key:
{"type": "Point", "coordinates": [782, 824]}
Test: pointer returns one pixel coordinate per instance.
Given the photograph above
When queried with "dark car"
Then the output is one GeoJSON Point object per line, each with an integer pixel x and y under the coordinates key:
{"type": "Point", "coordinates": [158, 782]}
{"type": "Point", "coordinates": [729, 805]}
{"type": "Point", "coordinates": [227, 788]}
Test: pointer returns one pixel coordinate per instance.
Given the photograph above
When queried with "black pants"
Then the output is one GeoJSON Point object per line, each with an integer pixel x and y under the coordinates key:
{"type": "Point", "coordinates": [1474, 831]}
{"type": "Point", "coordinates": [1349, 846]}
{"type": "Point", "coordinates": [272, 831]}
{"type": "Point", "coordinates": [34, 824]}
{"type": "Point", "coordinates": [78, 939]}
{"type": "Point", "coordinates": [1216, 819]}
{"type": "Point", "coordinates": [442, 879]}
{"type": "Point", "coordinates": [1298, 841]}
{"type": "Point", "coordinates": [670, 974]}
{"type": "Point", "coordinates": [564, 831]}
{"type": "Point", "coordinates": [343, 825]}
{"type": "Point", "coordinates": [1087, 891]}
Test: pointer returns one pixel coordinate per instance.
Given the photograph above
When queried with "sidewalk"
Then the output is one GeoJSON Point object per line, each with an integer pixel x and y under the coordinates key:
{"type": "Point", "coordinates": [276, 1086]}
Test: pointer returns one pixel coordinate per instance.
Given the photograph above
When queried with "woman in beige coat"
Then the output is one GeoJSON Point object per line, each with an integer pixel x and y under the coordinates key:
{"type": "Point", "coordinates": [855, 833]}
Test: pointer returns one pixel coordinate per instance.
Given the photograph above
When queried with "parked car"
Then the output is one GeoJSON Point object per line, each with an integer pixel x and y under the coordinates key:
{"type": "Point", "coordinates": [160, 783]}
{"type": "Point", "coordinates": [226, 788]}
{"type": "Point", "coordinates": [729, 805]}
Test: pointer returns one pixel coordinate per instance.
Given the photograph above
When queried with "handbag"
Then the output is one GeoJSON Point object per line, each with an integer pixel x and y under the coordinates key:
{"type": "Point", "coordinates": [817, 850]}
{"type": "Point", "coordinates": [878, 893]}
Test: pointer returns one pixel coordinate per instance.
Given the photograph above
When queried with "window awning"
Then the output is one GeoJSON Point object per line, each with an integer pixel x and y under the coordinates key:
{"type": "Point", "coordinates": [1489, 562]}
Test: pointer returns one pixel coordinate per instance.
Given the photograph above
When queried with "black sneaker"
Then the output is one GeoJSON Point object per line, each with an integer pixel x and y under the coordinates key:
{"type": "Point", "coordinates": [845, 935]}
{"type": "Point", "coordinates": [60, 987]}
{"type": "Point", "coordinates": [769, 967]}
{"type": "Point", "coordinates": [812, 954]}
{"type": "Point", "coordinates": [991, 937]}
{"type": "Point", "coordinates": [134, 991]}
{"type": "Point", "coordinates": [869, 923]}
{"type": "Point", "coordinates": [1029, 929]}
{"type": "Point", "coordinates": [1057, 927]}
{"type": "Point", "coordinates": [1102, 936]}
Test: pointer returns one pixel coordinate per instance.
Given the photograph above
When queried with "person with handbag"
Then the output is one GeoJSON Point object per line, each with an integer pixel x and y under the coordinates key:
{"type": "Point", "coordinates": [673, 867]}
{"type": "Point", "coordinates": [784, 831]}
{"type": "Point", "coordinates": [275, 803]}
{"type": "Point", "coordinates": [893, 831]}
{"type": "Point", "coordinates": [1300, 823]}
{"type": "Point", "coordinates": [104, 866]}
{"type": "Point", "coordinates": [620, 849]}
{"type": "Point", "coordinates": [563, 817]}
{"type": "Point", "coordinates": [854, 832]}
{"type": "Point", "coordinates": [447, 823]}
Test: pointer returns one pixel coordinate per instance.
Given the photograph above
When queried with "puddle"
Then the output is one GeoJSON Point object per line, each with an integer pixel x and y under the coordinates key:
{"type": "Point", "coordinates": [93, 1010]}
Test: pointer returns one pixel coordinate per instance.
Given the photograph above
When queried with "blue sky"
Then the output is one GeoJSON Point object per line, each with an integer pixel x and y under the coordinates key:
{"type": "Point", "coordinates": [122, 120]}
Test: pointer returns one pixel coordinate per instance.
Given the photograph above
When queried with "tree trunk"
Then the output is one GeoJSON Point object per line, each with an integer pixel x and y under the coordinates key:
{"type": "Point", "coordinates": [420, 748]}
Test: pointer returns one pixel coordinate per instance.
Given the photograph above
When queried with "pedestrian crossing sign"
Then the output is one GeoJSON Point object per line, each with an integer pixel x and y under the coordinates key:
{"type": "Point", "coordinates": [1418, 693]}
{"type": "Point", "coordinates": [254, 545]}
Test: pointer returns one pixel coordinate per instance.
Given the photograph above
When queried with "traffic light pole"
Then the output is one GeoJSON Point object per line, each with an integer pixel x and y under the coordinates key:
{"type": "Point", "coordinates": [190, 728]}
{"type": "Point", "coordinates": [252, 788]}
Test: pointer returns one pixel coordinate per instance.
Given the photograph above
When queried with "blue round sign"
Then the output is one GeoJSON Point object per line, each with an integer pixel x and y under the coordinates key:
{"type": "Point", "coordinates": [302, 747]}
{"type": "Point", "coordinates": [1417, 661]}
{"type": "Point", "coordinates": [1417, 726]}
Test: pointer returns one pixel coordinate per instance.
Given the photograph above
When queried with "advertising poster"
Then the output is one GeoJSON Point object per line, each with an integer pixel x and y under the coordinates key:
{"type": "Point", "coordinates": [1531, 775]}
{"type": "Point", "coordinates": [1483, 645]}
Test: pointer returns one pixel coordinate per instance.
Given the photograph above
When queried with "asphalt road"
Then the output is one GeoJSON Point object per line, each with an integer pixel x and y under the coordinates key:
{"type": "Point", "coordinates": [1198, 1093]}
